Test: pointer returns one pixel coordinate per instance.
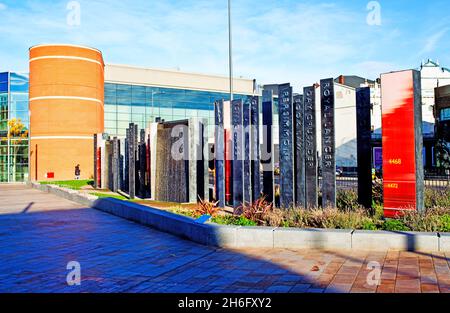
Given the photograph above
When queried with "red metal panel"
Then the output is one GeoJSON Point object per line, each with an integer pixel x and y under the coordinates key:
{"type": "Point", "coordinates": [99, 167]}
{"type": "Point", "coordinates": [227, 151]}
{"type": "Point", "coordinates": [399, 166]}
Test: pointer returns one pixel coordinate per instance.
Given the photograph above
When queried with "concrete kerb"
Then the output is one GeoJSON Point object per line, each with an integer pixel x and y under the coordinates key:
{"type": "Point", "coordinates": [390, 240]}
{"type": "Point", "coordinates": [257, 237]}
{"type": "Point", "coordinates": [313, 238]}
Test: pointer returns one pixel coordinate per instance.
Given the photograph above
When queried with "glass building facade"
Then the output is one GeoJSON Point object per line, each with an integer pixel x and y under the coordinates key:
{"type": "Point", "coordinates": [14, 127]}
{"type": "Point", "coordinates": [141, 105]}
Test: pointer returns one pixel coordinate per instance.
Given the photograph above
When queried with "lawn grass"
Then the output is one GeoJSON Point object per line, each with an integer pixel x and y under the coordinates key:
{"type": "Point", "coordinates": [108, 195]}
{"type": "Point", "coordinates": [71, 184]}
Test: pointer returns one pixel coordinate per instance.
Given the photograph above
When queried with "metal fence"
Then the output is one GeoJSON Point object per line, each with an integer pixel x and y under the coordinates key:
{"type": "Point", "coordinates": [433, 181]}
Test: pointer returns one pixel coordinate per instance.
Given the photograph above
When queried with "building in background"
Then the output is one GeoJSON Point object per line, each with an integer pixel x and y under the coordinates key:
{"type": "Point", "coordinates": [66, 110]}
{"type": "Point", "coordinates": [442, 113]}
{"type": "Point", "coordinates": [14, 127]}
{"type": "Point", "coordinates": [73, 98]}
{"type": "Point", "coordinates": [433, 76]}
{"type": "Point", "coordinates": [140, 95]}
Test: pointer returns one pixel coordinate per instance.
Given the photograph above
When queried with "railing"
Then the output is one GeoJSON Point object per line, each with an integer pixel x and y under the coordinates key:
{"type": "Point", "coordinates": [433, 181]}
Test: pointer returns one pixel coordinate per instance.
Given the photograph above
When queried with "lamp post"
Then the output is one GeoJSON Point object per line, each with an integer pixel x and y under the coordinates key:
{"type": "Point", "coordinates": [230, 50]}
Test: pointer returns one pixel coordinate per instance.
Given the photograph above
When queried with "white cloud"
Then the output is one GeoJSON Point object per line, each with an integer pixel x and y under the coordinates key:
{"type": "Point", "coordinates": [3, 6]}
{"type": "Point", "coordinates": [278, 42]}
{"type": "Point", "coordinates": [432, 41]}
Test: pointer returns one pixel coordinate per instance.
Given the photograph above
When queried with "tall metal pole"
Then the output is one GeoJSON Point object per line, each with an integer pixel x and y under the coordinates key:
{"type": "Point", "coordinates": [230, 50]}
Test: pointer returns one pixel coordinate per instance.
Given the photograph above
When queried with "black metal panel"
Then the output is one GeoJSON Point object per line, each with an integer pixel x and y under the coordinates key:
{"type": "Point", "coordinates": [219, 149]}
{"type": "Point", "coordinates": [115, 165]}
{"type": "Point", "coordinates": [126, 179]}
{"type": "Point", "coordinates": [364, 134]}
{"type": "Point", "coordinates": [132, 162]}
{"type": "Point", "coordinates": [286, 146]}
{"type": "Point", "coordinates": [328, 143]}
{"type": "Point", "coordinates": [237, 152]}
{"type": "Point", "coordinates": [299, 152]}
{"type": "Point", "coordinates": [267, 145]}
{"type": "Point", "coordinates": [247, 185]}
{"type": "Point", "coordinates": [311, 185]}
{"type": "Point", "coordinates": [254, 149]}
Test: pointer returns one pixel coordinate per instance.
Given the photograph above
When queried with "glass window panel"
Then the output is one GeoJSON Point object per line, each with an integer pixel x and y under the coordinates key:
{"type": "Point", "coordinates": [19, 83]}
{"type": "Point", "coordinates": [124, 101]}
{"type": "Point", "coordinates": [165, 112]}
{"type": "Point", "coordinates": [21, 105]}
{"type": "Point", "coordinates": [123, 124]}
{"type": "Point", "coordinates": [110, 108]}
{"type": "Point", "coordinates": [124, 108]}
{"type": "Point", "coordinates": [138, 110]}
{"type": "Point", "coordinates": [110, 116]}
{"type": "Point", "coordinates": [123, 116]}
{"type": "Point", "coordinates": [179, 112]}
{"type": "Point", "coordinates": [445, 114]}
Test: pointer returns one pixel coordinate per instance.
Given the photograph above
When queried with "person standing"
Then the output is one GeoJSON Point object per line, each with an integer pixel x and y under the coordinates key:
{"type": "Point", "coordinates": [77, 172]}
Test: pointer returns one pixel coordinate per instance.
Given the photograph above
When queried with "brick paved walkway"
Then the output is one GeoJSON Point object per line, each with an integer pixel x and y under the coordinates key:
{"type": "Point", "coordinates": [41, 233]}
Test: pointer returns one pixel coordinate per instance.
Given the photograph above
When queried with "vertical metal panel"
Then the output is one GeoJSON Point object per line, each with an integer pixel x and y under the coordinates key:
{"type": "Point", "coordinates": [311, 185]}
{"type": "Point", "coordinates": [402, 142]}
{"type": "Point", "coordinates": [328, 143]}
{"type": "Point", "coordinates": [237, 152]}
{"type": "Point", "coordinates": [219, 150]}
{"type": "Point", "coordinates": [247, 184]}
{"type": "Point", "coordinates": [267, 145]}
{"type": "Point", "coordinates": [286, 146]}
{"type": "Point", "coordinates": [299, 152]}
{"type": "Point", "coordinates": [364, 134]}
{"type": "Point", "coordinates": [255, 154]}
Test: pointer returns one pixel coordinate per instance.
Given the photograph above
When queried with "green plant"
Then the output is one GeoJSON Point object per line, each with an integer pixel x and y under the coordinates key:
{"type": "Point", "coordinates": [435, 198]}
{"type": "Point", "coordinates": [445, 223]}
{"type": "Point", "coordinates": [432, 221]}
{"type": "Point", "coordinates": [347, 200]}
{"type": "Point", "coordinates": [233, 220]}
{"type": "Point", "coordinates": [205, 207]}
{"type": "Point", "coordinates": [369, 225]}
{"type": "Point", "coordinates": [378, 211]}
{"type": "Point", "coordinates": [395, 225]}
{"type": "Point", "coordinates": [183, 211]}
{"type": "Point", "coordinates": [377, 191]}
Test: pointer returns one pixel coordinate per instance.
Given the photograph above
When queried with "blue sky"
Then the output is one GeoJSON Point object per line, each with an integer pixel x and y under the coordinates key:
{"type": "Point", "coordinates": [274, 41]}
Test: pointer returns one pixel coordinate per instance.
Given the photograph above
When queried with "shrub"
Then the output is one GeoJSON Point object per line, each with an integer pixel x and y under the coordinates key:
{"type": "Point", "coordinates": [395, 225]}
{"type": "Point", "coordinates": [433, 220]}
{"type": "Point", "coordinates": [335, 219]}
{"type": "Point", "coordinates": [274, 218]}
{"type": "Point", "coordinates": [205, 207]}
{"type": "Point", "coordinates": [347, 200]}
{"type": "Point", "coordinates": [445, 223]}
{"type": "Point", "coordinates": [377, 191]}
{"type": "Point", "coordinates": [295, 217]}
{"type": "Point", "coordinates": [369, 225]}
{"type": "Point", "coordinates": [256, 211]}
{"type": "Point", "coordinates": [183, 211]}
{"type": "Point", "coordinates": [378, 211]}
{"type": "Point", "coordinates": [437, 198]}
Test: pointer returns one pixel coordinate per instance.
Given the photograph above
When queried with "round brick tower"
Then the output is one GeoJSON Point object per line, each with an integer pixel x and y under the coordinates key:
{"type": "Point", "coordinates": [67, 109]}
